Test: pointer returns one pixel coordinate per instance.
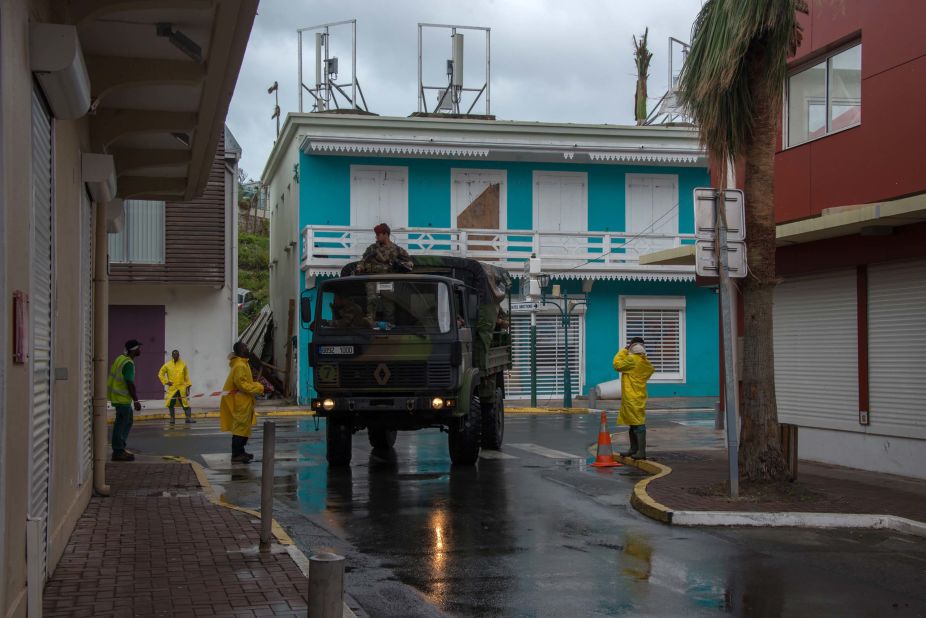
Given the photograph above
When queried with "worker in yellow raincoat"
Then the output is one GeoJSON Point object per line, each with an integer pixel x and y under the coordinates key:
{"type": "Point", "coordinates": [175, 377]}
{"type": "Point", "coordinates": [635, 370]}
{"type": "Point", "coordinates": [237, 405]}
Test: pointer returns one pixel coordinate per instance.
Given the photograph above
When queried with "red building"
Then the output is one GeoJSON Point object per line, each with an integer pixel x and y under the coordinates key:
{"type": "Point", "coordinates": [850, 199]}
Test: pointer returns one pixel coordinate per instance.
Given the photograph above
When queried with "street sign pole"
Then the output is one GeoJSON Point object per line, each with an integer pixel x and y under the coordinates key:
{"type": "Point", "coordinates": [720, 222]}
{"type": "Point", "coordinates": [567, 379]}
{"type": "Point", "coordinates": [533, 358]}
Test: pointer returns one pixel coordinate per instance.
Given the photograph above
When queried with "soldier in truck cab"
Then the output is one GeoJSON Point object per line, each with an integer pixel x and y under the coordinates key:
{"type": "Point", "coordinates": [345, 313]}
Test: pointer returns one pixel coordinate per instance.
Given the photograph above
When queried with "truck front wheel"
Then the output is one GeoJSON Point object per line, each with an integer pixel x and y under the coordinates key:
{"type": "Point", "coordinates": [463, 437]}
{"type": "Point", "coordinates": [338, 434]}
{"type": "Point", "coordinates": [381, 438]}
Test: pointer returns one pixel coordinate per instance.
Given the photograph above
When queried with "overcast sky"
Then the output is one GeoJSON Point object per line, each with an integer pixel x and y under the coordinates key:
{"type": "Point", "coordinates": [552, 60]}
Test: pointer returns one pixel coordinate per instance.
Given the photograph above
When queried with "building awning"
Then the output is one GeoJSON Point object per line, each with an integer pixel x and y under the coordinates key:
{"type": "Point", "coordinates": [162, 75]}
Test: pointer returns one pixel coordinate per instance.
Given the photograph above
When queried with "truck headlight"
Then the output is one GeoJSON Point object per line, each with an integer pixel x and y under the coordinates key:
{"type": "Point", "coordinates": [328, 405]}
{"type": "Point", "coordinates": [437, 403]}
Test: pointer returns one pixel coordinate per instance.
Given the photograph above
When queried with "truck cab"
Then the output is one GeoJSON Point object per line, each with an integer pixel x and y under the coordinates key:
{"type": "Point", "coordinates": [402, 352]}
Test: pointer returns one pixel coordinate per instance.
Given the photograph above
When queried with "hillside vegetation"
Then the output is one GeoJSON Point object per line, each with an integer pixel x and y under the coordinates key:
{"type": "Point", "coordinates": [253, 274]}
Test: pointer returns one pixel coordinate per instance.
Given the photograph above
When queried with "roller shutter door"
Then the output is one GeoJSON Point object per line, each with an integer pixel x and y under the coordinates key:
{"type": "Point", "coordinates": [85, 446]}
{"type": "Point", "coordinates": [551, 356]}
{"type": "Point", "coordinates": [40, 306]}
{"type": "Point", "coordinates": [816, 352]}
{"type": "Point", "coordinates": [897, 348]}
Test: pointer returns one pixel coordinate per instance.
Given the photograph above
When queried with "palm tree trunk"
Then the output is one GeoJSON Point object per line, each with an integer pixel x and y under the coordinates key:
{"type": "Point", "coordinates": [760, 456]}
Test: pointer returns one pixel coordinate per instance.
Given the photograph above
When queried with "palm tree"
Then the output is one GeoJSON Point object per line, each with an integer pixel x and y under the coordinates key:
{"type": "Point", "coordinates": [732, 86]}
{"type": "Point", "coordinates": [641, 58]}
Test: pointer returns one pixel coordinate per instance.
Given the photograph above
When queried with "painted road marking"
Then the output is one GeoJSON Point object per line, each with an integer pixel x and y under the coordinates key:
{"type": "Point", "coordinates": [546, 452]}
{"type": "Point", "coordinates": [483, 454]}
{"type": "Point", "coordinates": [217, 461]}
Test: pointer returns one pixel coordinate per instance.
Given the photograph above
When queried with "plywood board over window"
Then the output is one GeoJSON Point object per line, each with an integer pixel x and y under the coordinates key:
{"type": "Point", "coordinates": [478, 201]}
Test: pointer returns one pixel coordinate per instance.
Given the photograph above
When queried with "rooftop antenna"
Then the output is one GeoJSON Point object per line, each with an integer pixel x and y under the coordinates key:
{"type": "Point", "coordinates": [668, 110]}
{"type": "Point", "coordinates": [327, 90]}
{"type": "Point", "coordinates": [275, 90]}
{"type": "Point", "coordinates": [450, 96]}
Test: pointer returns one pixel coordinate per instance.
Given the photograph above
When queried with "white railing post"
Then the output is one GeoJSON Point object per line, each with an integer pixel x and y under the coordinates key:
{"type": "Point", "coordinates": [464, 243]}
{"type": "Point", "coordinates": [606, 249]}
{"type": "Point", "coordinates": [535, 243]}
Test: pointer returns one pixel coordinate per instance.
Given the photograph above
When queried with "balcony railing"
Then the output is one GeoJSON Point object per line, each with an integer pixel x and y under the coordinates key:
{"type": "Point", "coordinates": [326, 248]}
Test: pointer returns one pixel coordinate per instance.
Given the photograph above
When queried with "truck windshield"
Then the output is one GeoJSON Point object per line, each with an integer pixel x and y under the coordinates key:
{"type": "Point", "coordinates": [405, 306]}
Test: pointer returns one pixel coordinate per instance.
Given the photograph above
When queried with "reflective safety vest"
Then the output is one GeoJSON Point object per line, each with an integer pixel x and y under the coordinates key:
{"type": "Point", "coordinates": [117, 391]}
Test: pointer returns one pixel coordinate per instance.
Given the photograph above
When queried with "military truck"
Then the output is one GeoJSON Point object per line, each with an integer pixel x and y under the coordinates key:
{"type": "Point", "coordinates": [401, 352]}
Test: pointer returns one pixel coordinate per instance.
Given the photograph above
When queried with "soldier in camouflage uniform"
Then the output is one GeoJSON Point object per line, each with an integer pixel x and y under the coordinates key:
{"type": "Point", "coordinates": [383, 256]}
{"type": "Point", "coordinates": [346, 314]}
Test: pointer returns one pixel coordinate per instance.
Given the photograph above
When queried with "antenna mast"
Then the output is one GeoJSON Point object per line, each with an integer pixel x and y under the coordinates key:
{"type": "Point", "coordinates": [326, 90]}
{"type": "Point", "coordinates": [450, 96]}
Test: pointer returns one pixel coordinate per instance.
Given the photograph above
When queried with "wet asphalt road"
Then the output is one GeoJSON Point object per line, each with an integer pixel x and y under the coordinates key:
{"type": "Point", "coordinates": [533, 531]}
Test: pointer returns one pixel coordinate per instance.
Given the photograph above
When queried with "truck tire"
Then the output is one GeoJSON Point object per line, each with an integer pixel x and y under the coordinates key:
{"type": "Point", "coordinates": [381, 438]}
{"type": "Point", "coordinates": [493, 422]}
{"type": "Point", "coordinates": [338, 435]}
{"type": "Point", "coordinates": [463, 437]}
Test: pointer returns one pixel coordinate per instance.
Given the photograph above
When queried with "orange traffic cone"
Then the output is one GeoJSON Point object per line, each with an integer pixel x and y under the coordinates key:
{"type": "Point", "coordinates": [604, 458]}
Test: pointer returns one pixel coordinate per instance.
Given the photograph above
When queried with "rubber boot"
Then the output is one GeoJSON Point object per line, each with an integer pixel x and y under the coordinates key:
{"type": "Point", "coordinates": [189, 415]}
{"type": "Point", "coordinates": [173, 418]}
{"type": "Point", "coordinates": [641, 442]}
{"type": "Point", "coordinates": [633, 443]}
{"type": "Point", "coordinates": [238, 454]}
{"type": "Point", "coordinates": [247, 456]}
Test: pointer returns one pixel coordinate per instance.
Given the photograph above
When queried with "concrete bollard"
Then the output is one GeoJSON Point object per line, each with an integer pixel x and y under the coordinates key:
{"type": "Point", "coordinates": [326, 585]}
{"type": "Point", "coordinates": [266, 486]}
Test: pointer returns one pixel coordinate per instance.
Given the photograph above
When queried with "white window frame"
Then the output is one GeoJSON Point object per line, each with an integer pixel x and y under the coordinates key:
{"type": "Point", "coordinates": [401, 170]}
{"type": "Point", "coordinates": [537, 175]}
{"type": "Point", "coordinates": [494, 176]}
{"type": "Point", "coordinates": [658, 302]}
{"type": "Point", "coordinates": [825, 60]}
{"type": "Point", "coordinates": [123, 235]}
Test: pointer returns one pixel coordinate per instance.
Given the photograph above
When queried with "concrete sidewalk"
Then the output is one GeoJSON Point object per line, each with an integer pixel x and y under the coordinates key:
{"type": "Point", "coordinates": [158, 547]}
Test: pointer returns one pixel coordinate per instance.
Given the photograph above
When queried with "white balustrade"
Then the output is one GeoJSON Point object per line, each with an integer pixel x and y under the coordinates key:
{"type": "Point", "coordinates": [329, 247]}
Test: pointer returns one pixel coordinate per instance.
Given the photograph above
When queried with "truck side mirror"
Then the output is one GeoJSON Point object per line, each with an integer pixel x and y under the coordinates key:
{"type": "Point", "coordinates": [305, 309]}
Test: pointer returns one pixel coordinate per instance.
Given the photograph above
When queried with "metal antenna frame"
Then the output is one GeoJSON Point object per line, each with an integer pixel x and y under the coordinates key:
{"type": "Point", "coordinates": [456, 91]}
{"type": "Point", "coordinates": [667, 109]}
{"type": "Point", "coordinates": [325, 92]}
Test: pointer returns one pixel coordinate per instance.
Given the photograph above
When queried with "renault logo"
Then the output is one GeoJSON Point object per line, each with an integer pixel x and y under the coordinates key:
{"type": "Point", "coordinates": [382, 374]}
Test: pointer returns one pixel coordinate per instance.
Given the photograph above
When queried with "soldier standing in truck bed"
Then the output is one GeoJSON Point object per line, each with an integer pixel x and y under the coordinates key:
{"type": "Point", "coordinates": [383, 256]}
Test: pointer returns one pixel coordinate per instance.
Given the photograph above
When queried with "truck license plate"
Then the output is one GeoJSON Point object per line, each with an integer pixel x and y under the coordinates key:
{"type": "Point", "coordinates": [336, 349]}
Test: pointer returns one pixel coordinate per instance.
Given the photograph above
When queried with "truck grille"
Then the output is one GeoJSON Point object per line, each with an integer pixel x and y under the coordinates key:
{"type": "Point", "coordinates": [393, 375]}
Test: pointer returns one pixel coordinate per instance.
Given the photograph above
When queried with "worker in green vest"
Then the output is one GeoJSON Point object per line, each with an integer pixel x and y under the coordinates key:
{"type": "Point", "coordinates": [120, 389]}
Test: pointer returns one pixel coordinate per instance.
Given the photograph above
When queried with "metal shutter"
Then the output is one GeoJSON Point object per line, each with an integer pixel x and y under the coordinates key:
{"type": "Point", "coordinates": [41, 312]}
{"type": "Point", "coordinates": [897, 348]}
{"type": "Point", "coordinates": [142, 239]}
{"type": "Point", "coordinates": [816, 353]}
{"type": "Point", "coordinates": [551, 367]}
{"type": "Point", "coordinates": [85, 446]}
{"type": "Point", "coordinates": [661, 330]}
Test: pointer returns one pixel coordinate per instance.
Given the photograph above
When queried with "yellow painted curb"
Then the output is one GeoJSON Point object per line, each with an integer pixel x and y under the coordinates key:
{"type": "Point", "coordinates": [640, 499]}
{"type": "Point", "coordinates": [278, 532]}
{"type": "Point", "coordinates": [529, 410]}
{"type": "Point", "coordinates": [164, 416]}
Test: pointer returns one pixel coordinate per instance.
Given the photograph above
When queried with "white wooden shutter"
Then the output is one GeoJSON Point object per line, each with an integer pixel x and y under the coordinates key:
{"type": "Point", "coordinates": [85, 438]}
{"type": "Point", "coordinates": [551, 356]}
{"type": "Point", "coordinates": [377, 195]}
{"type": "Point", "coordinates": [816, 353]}
{"type": "Point", "coordinates": [652, 208]}
{"type": "Point", "coordinates": [897, 348]}
{"type": "Point", "coordinates": [40, 306]}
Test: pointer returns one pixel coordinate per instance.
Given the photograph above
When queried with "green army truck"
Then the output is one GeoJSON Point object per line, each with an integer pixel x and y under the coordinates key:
{"type": "Point", "coordinates": [401, 352]}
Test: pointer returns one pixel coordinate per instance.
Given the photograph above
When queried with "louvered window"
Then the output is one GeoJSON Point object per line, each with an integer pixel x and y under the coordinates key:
{"type": "Point", "coordinates": [551, 356]}
{"type": "Point", "coordinates": [141, 241]}
{"type": "Point", "coordinates": [661, 323]}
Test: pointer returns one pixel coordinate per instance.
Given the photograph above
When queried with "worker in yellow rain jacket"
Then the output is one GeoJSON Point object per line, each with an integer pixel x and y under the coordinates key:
{"type": "Point", "coordinates": [175, 377]}
{"type": "Point", "coordinates": [237, 405]}
{"type": "Point", "coordinates": [635, 370]}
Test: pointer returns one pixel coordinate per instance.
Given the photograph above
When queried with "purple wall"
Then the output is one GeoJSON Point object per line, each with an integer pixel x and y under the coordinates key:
{"type": "Point", "coordinates": [145, 323]}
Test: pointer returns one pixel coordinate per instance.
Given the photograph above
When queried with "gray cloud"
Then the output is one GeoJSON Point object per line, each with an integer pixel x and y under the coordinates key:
{"type": "Point", "coordinates": [551, 60]}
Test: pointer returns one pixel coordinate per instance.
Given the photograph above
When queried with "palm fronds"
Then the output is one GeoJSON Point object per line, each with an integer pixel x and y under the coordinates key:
{"type": "Point", "coordinates": [714, 86]}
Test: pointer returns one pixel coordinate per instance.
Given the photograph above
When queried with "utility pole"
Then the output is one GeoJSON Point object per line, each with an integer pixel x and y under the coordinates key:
{"type": "Point", "coordinates": [720, 221]}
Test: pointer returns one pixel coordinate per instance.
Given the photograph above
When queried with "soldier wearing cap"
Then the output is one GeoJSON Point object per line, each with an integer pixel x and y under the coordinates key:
{"type": "Point", "coordinates": [383, 256]}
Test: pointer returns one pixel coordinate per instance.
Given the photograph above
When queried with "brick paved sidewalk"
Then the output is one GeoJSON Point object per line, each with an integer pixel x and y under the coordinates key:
{"type": "Point", "coordinates": [158, 547]}
{"type": "Point", "coordinates": [697, 478]}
